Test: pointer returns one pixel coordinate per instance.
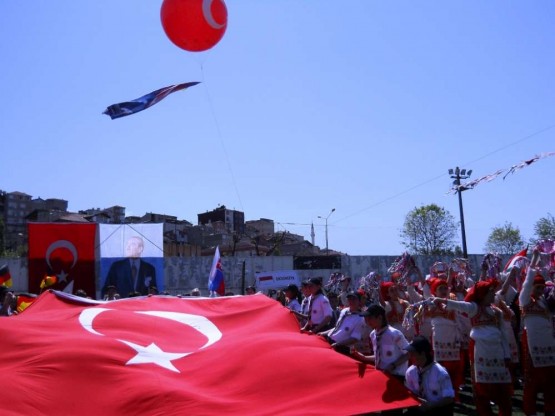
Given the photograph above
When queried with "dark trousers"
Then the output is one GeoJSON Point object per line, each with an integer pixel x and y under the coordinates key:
{"type": "Point", "coordinates": [438, 411]}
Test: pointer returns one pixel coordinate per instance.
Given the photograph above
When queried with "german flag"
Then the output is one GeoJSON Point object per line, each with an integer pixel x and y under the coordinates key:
{"type": "Point", "coordinates": [24, 300]}
{"type": "Point", "coordinates": [5, 276]}
{"type": "Point", "coordinates": [48, 281]}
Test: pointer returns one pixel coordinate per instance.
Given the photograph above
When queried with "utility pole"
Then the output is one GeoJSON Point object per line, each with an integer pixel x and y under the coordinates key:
{"type": "Point", "coordinates": [458, 174]}
{"type": "Point", "coordinates": [326, 218]}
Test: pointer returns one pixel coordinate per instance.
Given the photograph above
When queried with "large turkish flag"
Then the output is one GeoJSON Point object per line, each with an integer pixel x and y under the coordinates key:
{"type": "Point", "coordinates": [163, 355]}
{"type": "Point", "coordinates": [64, 250]}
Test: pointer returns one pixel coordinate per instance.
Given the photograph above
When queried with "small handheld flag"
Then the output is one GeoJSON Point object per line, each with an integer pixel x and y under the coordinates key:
{"type": "Point", "coordinates": [5, 276]}
{"type": "Point", "coordinates": [519, 260]}
{"type": "Point", "coordinates": [216, 284]}
{"type": "Point", "coordinates": [48, 281]}
{"type": "Point", "coordinates": [24, 300]}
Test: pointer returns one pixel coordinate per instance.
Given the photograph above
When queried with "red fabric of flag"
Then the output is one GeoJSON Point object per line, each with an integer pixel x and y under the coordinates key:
{"type": "Point", "coordinates": [65, 251]}
{"type": "Point", "coordinates": [162, 355]}
{"type": "Point", "coordinates": [514, 259]}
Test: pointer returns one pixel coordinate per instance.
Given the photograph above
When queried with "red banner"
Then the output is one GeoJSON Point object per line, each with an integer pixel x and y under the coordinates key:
{"type": "Point", "coordinates": [65, 251]}
{"type": "Point", "coordinates": [163, 355]}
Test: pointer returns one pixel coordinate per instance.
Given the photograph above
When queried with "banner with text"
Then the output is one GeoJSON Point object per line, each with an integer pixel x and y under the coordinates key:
{"type": "Point", "coordinates": [277, 279]}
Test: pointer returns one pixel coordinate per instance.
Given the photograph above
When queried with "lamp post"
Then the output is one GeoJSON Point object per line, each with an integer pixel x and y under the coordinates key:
{"type": "Point", "coordinates": [458, 174]}
{"type": "Point", "coordinates": [326, 218]}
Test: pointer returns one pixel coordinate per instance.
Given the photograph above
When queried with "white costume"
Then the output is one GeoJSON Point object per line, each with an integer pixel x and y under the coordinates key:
{"type": "Point", "coordinates": [349, 325]}
{"type": "Point", "coordinates": [538, 323]}
{"type": "Point", "coordinates": [431, 383]}
{"type": "Point", "coordinates": [389, 345]}
{"type": "Point", "coordinates": [319, 309]}
{"type": "Point", "coordinates": [490, 348]}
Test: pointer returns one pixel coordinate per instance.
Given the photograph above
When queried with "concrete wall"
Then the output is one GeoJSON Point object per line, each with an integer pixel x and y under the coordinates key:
{"type": "Point", "coordinates": [182, 274]}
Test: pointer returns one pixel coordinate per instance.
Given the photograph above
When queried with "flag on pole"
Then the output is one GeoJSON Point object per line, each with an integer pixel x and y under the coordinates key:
{"type": "Point", "coordinates": [517, 260]}
{"type": "Point", "coordinates": [216, 284]}
{"type": "Point", "coordinates": [134, 106]}
{"type": "Point", "coordinates": [5, 276]}
{"type": "Point", "coordinates": [86, 346]}
{"type": "Point", "coordinates": [48, 281]}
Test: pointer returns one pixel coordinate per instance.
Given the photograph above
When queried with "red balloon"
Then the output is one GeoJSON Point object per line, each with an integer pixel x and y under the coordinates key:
{"type": "Point", "coordinates": [194, 25]}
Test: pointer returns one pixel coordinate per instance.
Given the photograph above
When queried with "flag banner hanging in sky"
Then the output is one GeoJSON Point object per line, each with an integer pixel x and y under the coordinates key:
{"type": "Point", "coordinates": [488, 178]}
{"type": "Point", "coordinates": [162, 355]}
{"type": "Point", "coordinates": [131, 257]}
{"type": "Point", "coordinates": [134, 106]}
{"type": "Point", "coordinates": [63, 251]}
{"type": "Point", "coordinates": [475, 182]}
{"type": "Point", "coordinates": [528, 162]}
{"type": "Point", "coordinates": [216, 283]}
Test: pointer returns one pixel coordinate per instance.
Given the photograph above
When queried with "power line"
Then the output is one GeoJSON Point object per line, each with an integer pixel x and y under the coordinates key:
{"type": "Point", "coordinates": [220, 137]}
{"type": "Point", "coordinates": [527, 137]}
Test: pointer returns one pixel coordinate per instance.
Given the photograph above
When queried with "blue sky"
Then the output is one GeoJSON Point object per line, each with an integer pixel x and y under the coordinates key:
{"type": "Point", "coordinates": [304, 106]}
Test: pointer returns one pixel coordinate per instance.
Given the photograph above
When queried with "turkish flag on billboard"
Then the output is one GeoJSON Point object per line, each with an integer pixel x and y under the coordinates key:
{"type": "Point", "coordinates": [65, 251]}
{"type": "Point", "coordinates": [163, 355]}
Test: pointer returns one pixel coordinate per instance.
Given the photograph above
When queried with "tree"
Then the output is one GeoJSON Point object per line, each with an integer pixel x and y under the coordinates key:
{"type": "Point", "coordinates": [504, 239]}
{"type": "Point", "coordinates": [544, 229]}
{"type": "Point", "coordinates": [429, 230]}
{"type": "Point", "coordinates": [276, 240]}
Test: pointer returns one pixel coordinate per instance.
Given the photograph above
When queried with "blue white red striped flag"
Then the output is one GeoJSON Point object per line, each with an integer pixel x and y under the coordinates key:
{"type": "Point", "coordinates": [216, 284]}
{"type": "Point", "coordinates": [127, 108]}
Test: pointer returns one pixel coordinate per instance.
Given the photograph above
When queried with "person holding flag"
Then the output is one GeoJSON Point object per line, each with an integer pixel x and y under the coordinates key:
{"type": "Point", "coordinates": [6, 300]}
{"type": "Point", "coordinates": [520, 261]}
{"type": "Point", "coordinates": [538, 340]}
{"type": "Point", "coordinates": [489, 350]}
{"type": "Point", "coordinates": [216, 284]}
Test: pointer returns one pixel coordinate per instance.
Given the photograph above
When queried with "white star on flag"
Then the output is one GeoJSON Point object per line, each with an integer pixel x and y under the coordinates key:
{"type": "Point", "coordinates": [62, 276]}
{"type": "Point", "coordinates": [153, 354]}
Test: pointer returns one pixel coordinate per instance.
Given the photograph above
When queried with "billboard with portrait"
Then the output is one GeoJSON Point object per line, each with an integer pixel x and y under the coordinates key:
{"type": "Point", "coordinates": [131, 258]}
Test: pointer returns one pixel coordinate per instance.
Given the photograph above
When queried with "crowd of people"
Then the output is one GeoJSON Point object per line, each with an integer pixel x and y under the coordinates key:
{"type": "Point", "coordinates": [427, 331]}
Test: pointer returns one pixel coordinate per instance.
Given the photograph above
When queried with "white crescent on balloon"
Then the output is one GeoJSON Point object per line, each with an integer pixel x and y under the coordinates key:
{"type": "Point", "coordinates": [61, 244]}
{"type": "Point", "coordinates": [152, 353]}
{"type": "Point", "coordinates": [207, 12]}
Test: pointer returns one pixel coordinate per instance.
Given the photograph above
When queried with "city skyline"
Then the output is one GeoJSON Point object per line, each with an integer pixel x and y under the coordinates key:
{"type": "Point", "coordinates": [96, 210]}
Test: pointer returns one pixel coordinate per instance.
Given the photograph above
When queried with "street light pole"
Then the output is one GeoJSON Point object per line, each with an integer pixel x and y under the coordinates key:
{"type": "Point", "coordinates": [326, 218]}
{"type": "Point", "coordinates": [458, 174]}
